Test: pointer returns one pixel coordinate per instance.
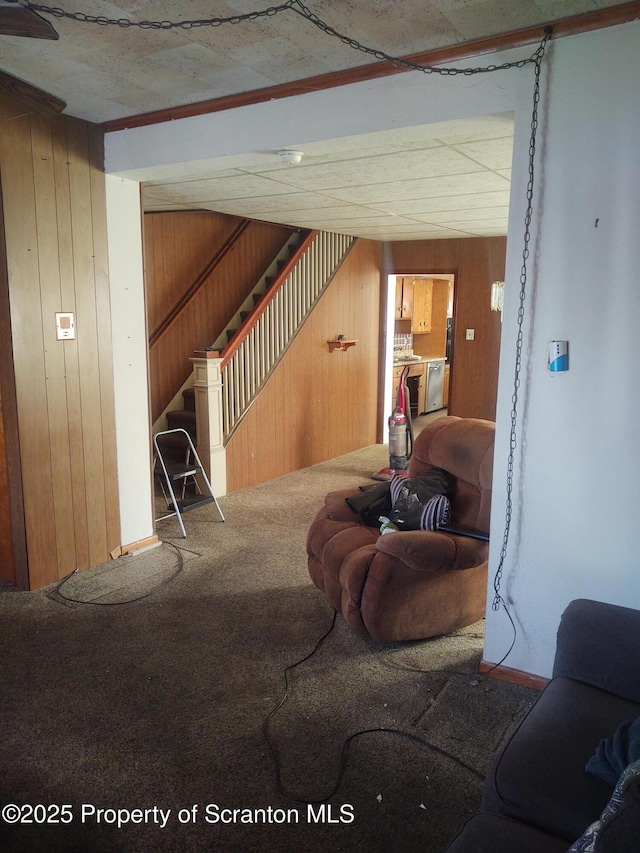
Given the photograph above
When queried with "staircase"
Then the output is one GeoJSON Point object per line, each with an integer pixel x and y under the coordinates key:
{"type": "Point", "coordinates": [272, 275]}
{"type": "Point", "coordinates": [252, 355]}
{"type": "Point", "coordinates": [262, 329]}
{"type": "Point", "coordinates": [185, 417]}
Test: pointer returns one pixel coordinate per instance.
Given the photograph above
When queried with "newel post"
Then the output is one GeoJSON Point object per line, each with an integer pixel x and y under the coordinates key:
{"type": "Point", "coordinates": [207, 385]}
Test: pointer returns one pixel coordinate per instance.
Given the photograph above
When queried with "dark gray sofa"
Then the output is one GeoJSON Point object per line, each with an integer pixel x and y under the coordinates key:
{"type": "Point", "coordinates": [537, 797]}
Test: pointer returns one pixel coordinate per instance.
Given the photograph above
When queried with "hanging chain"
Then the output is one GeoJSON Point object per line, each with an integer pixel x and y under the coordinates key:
{"type": "Point", "coordinates": [513, 437]}
{"type": "Point", "coordinates": [125, 23]}
{"type": "Point", "coordinates": [295, 6]}
{"type": "Point", "coordinates": [300, 9]}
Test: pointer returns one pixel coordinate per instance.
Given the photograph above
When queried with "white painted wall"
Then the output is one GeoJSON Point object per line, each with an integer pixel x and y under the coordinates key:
{"type": "Point", "coordinates": [577, 485]}
{"type": "Point", "coordinates": [576, 492]}
{"type": "Point", "coordinates": [128, 318]}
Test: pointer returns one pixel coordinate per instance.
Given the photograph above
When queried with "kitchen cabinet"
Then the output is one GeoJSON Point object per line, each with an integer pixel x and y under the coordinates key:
{"type": "Point", "coordinates": [404, 298]}
{"type": "Point", "coordinates": [417, 386]}
{"type": "Point", "coordinates": [422, 306]}
{"type": "Point", "coordinates": [414, 301]}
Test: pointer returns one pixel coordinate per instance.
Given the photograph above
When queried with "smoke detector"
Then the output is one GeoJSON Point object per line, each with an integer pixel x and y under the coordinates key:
{"type": "Point", "coordinates": [290, 158]}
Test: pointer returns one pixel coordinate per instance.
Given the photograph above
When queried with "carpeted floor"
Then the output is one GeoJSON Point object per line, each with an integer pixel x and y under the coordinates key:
{"type": "Point", "coordinates": [162, 713]}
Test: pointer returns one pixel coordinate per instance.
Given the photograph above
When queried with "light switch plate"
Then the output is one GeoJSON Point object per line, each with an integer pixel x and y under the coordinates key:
{"type": "Point", "coordinates": [471, 334]}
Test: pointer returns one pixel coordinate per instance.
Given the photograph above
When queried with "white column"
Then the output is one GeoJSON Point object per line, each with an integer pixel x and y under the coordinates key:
{"type": "Point", "coordinates": [130, 350]}
{"type": "Point", "coordinates": [207, 385]}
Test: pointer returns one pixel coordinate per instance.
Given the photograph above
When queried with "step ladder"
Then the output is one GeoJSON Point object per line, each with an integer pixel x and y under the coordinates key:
{"type": "Point", "coordinates": [175, 478]}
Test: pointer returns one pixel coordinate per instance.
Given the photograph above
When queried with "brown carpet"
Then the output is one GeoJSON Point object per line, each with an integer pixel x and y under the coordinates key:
{"type": "Point", "coordinates": [158, 707]}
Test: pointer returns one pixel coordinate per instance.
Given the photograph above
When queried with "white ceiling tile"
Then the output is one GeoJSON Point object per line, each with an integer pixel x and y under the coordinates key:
{"type": "Point", "coordinates": [481, 214]}
{"type": "Point", "coordinates": [293, 203]}
{"type": "Point", "coordinates": [461, 201]}
{"type": "Point", "coordinates": [212, 189]}
{"type": "Point", "coordinates": [475, 225]}
{"type": "Point", "coordinates": [190, 59]}
{"type": "Point", "coordinates": [381, 169]}
{"type": "Point", "coordinates": [491, 153]}
{"type": "Point", "coordinates": [389, 183]}
{"type": "Point", "coordinates": [474, 19]}
{"type": "Point", "coordinates": [422, 188]}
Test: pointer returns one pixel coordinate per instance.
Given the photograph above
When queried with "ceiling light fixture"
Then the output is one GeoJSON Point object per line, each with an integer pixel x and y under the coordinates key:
{"type": "Point", "coordinates": [290, 158]}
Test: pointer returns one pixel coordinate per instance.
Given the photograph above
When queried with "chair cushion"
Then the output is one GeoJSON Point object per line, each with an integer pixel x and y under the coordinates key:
{"type": "Point", "coordinates": [485, 833]}
{"type": "Point", "coordinates": [539, 777]}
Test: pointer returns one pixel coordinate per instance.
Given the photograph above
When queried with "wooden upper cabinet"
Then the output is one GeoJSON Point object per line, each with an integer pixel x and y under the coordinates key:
{"type": "Point", "coordinates": [404, 298]}
{"type": "Point", "coordinates": [422, 306]}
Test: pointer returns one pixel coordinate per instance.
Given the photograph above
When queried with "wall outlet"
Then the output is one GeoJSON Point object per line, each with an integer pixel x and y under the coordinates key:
{"type": "Point", "coordinates": [471, 334]}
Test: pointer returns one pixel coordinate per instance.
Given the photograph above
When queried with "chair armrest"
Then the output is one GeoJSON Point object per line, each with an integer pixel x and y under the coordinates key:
{"type": "Point", "coordinates": [431, 551]}
{"type": "Point", "coordinates": [598, 644]}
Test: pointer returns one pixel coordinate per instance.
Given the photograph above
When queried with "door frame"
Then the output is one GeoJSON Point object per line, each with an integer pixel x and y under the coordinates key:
{"type": "Point", "coordinates": [387, 323]}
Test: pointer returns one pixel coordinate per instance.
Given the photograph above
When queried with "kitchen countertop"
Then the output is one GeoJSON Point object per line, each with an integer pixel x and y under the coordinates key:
{"type": "Point", "coordinates": [417, 360]}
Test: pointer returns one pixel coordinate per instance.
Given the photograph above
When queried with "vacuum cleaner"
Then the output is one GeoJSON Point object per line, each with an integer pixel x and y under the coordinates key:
{"type": "Point", "coordinates": [400, 432]}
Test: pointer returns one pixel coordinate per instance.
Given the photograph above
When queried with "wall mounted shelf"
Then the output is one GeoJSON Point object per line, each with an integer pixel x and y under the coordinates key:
{"type": "Point", "coordinates": [343, 345]}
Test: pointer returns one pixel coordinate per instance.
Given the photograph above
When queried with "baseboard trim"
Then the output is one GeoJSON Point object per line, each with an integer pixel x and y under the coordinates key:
{"type": "Point", "coordinates": [515, 676]}
{"type": "Point", "coordinates": [149, 542]}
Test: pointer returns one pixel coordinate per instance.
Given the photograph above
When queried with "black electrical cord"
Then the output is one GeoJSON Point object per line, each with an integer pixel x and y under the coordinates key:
{"type": "Point", "coordinates": [56, 591]}
{"type": "Point", "coordinates": [450, 671]}
{"type": "Point", "coordinates": [345, 746]}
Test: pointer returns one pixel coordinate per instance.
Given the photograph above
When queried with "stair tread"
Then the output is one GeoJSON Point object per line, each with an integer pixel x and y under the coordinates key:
{"type": "Point", "coordinates": [182, 414]}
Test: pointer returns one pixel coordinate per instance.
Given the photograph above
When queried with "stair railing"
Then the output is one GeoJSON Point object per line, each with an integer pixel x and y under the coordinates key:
{"type": "Point", "coordinates": [251, 357]}
{"type": "Point", "coordinates": [198, 283]}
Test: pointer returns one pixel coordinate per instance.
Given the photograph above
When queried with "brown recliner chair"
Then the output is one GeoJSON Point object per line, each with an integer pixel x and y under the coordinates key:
{"type": "Point", "coordinates": [412, 584]}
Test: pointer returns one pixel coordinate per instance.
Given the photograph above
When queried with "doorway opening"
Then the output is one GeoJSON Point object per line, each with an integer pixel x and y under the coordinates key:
{"type": "Point", "coordinates": [420, 335]}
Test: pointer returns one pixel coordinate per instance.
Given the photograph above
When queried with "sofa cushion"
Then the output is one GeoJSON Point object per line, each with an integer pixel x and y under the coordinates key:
{"type": "Point", "coordinates": [618, 828]}
{"type": "Point", "coordinates": [611, 663]}
{"type": "Point", "coordinates": [485, 833]}
{"type": "Point", "coordinates": [539, 776]}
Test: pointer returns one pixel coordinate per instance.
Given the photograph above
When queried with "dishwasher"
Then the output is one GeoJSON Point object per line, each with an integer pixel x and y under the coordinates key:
{"type": "Point", "coordinates": [435, 385]}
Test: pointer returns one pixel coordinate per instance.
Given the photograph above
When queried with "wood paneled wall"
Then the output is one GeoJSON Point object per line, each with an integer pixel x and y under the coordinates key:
{"type": "Point", "coordinates": [7, 560]}
{"type": "Point", "coordinates": [177, 248]}
{"type": "Point", "coordinates": [476, 262]}
{"type": "Point", "coordinates": [317, 404]}
{"type": "Point", "coordinates": [56, 249]}
{"type": "Point", "coordinates": [13, 553]}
